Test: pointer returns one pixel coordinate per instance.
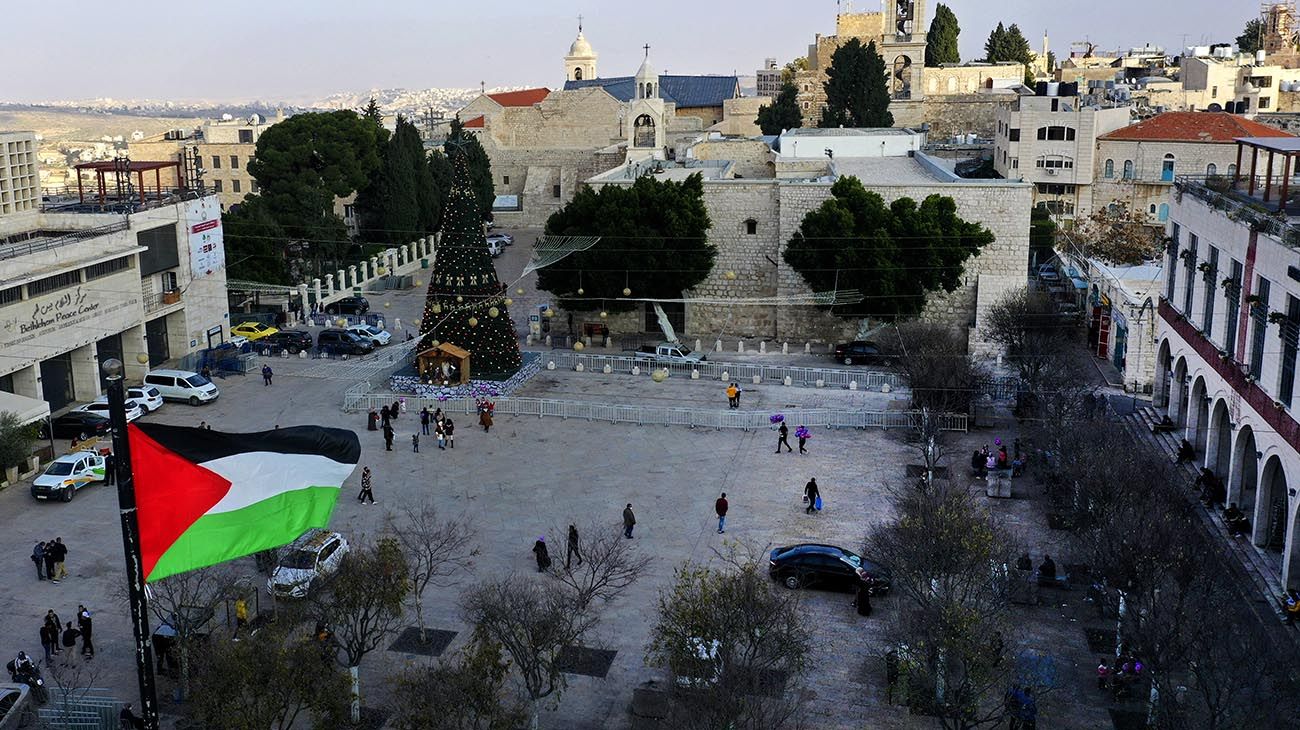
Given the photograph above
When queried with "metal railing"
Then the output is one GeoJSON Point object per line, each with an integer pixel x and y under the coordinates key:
{"type": "Point", "coordinates": [1241, 207]}
{"type": "Point", "coordinates": [356, 399]}
{"type": "Point", "coordinates": [738, 372]}
{"type": "Point", "coordinates": [35, 245]}
{"type": "Point", "coordinates": [89, 709]}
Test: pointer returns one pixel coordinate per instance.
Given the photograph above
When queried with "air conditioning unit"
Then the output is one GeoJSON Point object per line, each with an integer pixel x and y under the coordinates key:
{"type": "Point", "coordinates": [1051, 170]}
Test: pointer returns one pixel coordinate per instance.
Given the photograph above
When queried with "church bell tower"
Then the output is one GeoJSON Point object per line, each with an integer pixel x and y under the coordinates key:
{"type": "Point", "coordinates": [580, 64]}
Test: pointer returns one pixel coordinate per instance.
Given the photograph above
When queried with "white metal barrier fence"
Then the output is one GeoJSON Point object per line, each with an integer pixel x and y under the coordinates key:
{"type": "Point", "coordinates": [737, 372]}
{"type": "Point", "coordinates": [357, 400]}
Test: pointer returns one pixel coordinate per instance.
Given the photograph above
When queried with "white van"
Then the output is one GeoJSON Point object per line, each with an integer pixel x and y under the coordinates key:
{"type": "Point", "coordinates": [183, 385]}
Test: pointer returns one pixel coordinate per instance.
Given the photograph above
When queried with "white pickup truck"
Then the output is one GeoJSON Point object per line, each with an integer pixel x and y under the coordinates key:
{"type": "Point", "coordinates": [668, 352]}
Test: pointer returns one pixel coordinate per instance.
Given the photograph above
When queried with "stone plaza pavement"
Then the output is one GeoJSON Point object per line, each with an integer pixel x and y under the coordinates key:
{"type": "Point", "coordinates": [530, 477]}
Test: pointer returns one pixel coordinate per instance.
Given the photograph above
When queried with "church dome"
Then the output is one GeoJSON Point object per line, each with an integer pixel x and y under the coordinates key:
{"type": "Point", "coordinates": [580, 46]}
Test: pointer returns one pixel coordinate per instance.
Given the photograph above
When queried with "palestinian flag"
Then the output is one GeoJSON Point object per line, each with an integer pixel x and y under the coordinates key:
{"type": "Point", "coordinates": [204, 497]}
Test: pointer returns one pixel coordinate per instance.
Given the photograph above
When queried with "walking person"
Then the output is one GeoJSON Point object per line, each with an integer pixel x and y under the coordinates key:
{"type": "Point", "coordinates": [365, 492]}
{"type": "Point", "coordinates": [801, 433]}
{"type": "Point", "coordinates": [784, 438]}
{"type": "Point", "coordinates": [485, 418]}
{"type": "Point", "coordinates": [50, 553]}
{"type": "Point", "coordinates": [629, 521]}
{"type": "Point", "coordinates": [449, 428]}
{"type": "Point", "coordinates": [53, 623]}
{"type": "Point", "coordinates": [424, 420]}
{"type": "Point", "coordinates": [542, 554]}
{"type": "Point", "coordinates": [60, 555]}
{"type": "Point", "coordinates": [739, 392]}
{"type": "Point", "coordinates": [732, 391]}
{"type": "Point", "coordinates": [38, 557]}
{"type": "Point", "coordinates": [415, 442]}
{"type": "Point", "coordinates": [70, 636]}
{"type": "Point", "coordinates": [385, 415]}
{"type": "Point", "coordinates": [571, 548]}
{"type": "Point", "coordinates": [266, 375]}
{"type": "Point", "coordinates": [811, 495]}
{"type": "Point", "coordinates": [440, 430]}
{"type": "Point", "coordinates": [388, 436]}
{"type": "Point", "coordinates": [720, 506]}
{"type": "Point", "coordinates": [862, 599]}
{"type": "Point", "coordinates": [85, 624]}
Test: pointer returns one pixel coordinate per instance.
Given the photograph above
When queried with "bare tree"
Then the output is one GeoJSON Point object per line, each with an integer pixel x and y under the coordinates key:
{"type": "Point", "coordinates": [364, 605]}
{"type": "Point", "coordinates": [533, 623]}
{"type": "Point", "coordinates": [71, 682]}
{"type": "Point", "coordinates": [466, 693]}
{"type": "Point", "coordinates": [949, 560]}
{"type": "Point", "coordinates": [1036, 338]}
{"type": "Point", "coordinates": [736, 646]}
{"type": "Point", "coordinates": [1113, 233]}
{"type": "Point", "coordinates": [943, 379]}
{"type": "Point", "coordinates": [184, 606]}
{"type": "Point", "coordinates": [435, 551]}
{"type": "Point", "coordinates": [269, 682]}
{"type": "Point", "coordinates": [609, 565]}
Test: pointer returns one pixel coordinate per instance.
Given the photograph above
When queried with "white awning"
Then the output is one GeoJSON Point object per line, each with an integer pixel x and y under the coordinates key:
{"type": "Point", "coordinates": [28, 410]}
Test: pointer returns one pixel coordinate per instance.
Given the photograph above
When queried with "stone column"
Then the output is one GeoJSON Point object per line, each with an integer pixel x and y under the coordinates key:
{"type": "Point", "coordinates": [343, 283]}
{"type": "Point", "coordinates": [414, 254]}
{"type": "Point", "coordinates": [133, 346]}
{"type": "Point", "coordinates": [352, 276]}
{"type": "Point", "coordinates": [85, 373]}
{"type": "Point", "coordinates": [329, 285]}
{"type": "Point", "coordinates": [302, 294]}
{"type": "Point", "coordinates": [374, 266]}
{"type": "Point", "coordinates": [315, 285]}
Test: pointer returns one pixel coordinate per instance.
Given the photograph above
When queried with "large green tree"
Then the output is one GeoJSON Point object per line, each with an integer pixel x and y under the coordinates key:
{"type": "Point", "coordinates": [941, 41]}
{"type": "Point", "coordinates": [1008, 44]}
{"type": "Point", "coordinates": [1042, 235]}
{"type": "Point", "coordinates": [653, 240]}
{"type": "Point", "coordinates": [256, 244]}
{"type": "Point", "coordinates": [856, 92]}
{"type": "Point", "coordinates": [402, 201]}
{"type": "Point", "coordinates": [895, 254]}
{"type": "Point", "coordinates": [466, 303]}
{"type": "Point", "coordinates": [480, 167]}
{"type": "Point", "coordinates": [1252, 36]}
{"type": "Point", "coordinates": [783, 113]}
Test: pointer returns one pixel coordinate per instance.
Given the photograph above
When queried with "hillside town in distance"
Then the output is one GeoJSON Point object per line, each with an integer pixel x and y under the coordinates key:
{"type": "Point", "coordinates": [940, 375]}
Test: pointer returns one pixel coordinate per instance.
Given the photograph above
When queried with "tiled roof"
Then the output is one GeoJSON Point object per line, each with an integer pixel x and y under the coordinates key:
{"type": "Point", "coordinates": [1194, 127]}
{"type": "Point", "coordinates": [526, 97]}
{"type": "Point", "coordinates": [475, 123]}
{"type": "Point", "coordinates": [684, 91]}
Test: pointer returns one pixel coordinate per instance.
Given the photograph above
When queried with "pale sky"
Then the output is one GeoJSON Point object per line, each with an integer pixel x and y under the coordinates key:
{"type": "Point", "coordinates": [299, 49]}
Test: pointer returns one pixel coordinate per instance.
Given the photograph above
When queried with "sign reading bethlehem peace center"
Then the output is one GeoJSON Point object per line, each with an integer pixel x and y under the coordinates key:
{"type": "Point", "coordinates": [203, 222]}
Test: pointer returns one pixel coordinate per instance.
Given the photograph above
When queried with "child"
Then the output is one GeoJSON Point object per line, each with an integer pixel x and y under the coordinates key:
{"type": "Point", "coordinates": [415, 442]}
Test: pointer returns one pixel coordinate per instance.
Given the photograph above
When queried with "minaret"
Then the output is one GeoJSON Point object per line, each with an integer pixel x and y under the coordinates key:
{"type": "Point", "coordinates": [580, 64]}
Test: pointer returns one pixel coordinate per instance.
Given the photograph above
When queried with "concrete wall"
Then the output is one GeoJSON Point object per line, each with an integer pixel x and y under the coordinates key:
{"type": "Point", "coordinates": [951, 115]}
{"type": "Point", "coordinates": [750, 158]}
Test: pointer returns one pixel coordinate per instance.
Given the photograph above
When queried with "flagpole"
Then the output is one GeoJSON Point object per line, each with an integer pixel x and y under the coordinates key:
{"type": "Point", "coordinates": [131, 544]}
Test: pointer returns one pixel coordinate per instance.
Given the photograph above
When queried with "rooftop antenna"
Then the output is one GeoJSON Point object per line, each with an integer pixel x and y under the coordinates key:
{"type": "Point", "coordinates": [580, 22]}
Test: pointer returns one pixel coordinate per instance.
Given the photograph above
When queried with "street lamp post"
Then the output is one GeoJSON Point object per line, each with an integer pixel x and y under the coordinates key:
{"type": "Point", "coordinates": [131, 544]}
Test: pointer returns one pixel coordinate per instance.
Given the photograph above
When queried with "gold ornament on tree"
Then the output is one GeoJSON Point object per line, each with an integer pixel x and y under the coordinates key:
{"type": "Point", "coordinates": [508, 301]}
{"type": "Point", "coordinates": [627, 292]}
{"type": "Point", "coordinates": [473, 321]}
{"type": "Point", "coordinates": [520, 290]}
{"type": "Point", "coordinates": [604, 315]}
{"type": "Point", "coordinates": [581, 291]}
{"type": "Point", "coordinates": [730, 276]}
{"type": "Point", "coordinates": [578, 346]}
{"type": "Point", "coordinates": [494, 312]}
{"type": "Point", "coordinates": [459, 298]}
{"type": "Point", "coordinates": [549, 312]}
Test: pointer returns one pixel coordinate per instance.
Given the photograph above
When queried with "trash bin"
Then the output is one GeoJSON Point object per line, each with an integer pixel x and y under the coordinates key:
{"type": "Point", "coordinates": [424, 263]}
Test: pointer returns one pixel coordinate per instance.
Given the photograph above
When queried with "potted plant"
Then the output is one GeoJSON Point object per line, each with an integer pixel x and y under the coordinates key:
{"type": "Point", "coordinates": [16, 440]}
{"type": "Point", "coordinates": [1206, 269]}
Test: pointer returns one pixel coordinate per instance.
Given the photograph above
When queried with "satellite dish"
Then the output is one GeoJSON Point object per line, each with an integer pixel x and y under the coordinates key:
{"type": "Point", "coordinates": [254, 119]}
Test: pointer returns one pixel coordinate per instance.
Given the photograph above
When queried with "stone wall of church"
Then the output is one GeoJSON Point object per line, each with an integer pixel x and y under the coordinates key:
{"type": "Point", "coordinates": [952, 115]}
{"type": "Point", "coordinates": [950, 80]}
{"type": "Point", "coordinates": [778, 209]}
{"type": "Point", "coordinates": [708, 115]}
{"type": "Point", "coordinates": [750, 158]}
{"type": "Point", "coordinates": [533, 173]}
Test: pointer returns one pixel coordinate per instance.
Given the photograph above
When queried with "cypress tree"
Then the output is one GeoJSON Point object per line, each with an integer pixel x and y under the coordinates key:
{"type": "Point", "coordinates": [941, 42]}
{"type": "Point", "coordinates": [856, 92]}
{"type": "Point", "coordinates": [783, 113]}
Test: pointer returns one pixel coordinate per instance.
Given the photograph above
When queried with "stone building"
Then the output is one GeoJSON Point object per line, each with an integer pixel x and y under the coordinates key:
{"type": "Point", "coordinates": [223, 147]}
{"type": "Point", "coordinates": [1136, 165]}
{"type": "Point", "coordinates": [19, 173]}
{"type": "Point", "coordinates": [768, 79]}
{"type": "Point", "coordinates": [1226, 364]}
{"type": "Point", "coordinates": [83, 282]}
{"type": "Point", "coordinates": [1048, 138]}
{"type": "Point", "coordinates": [757, 198]}
{"type": "Point", "coordinates": [918, 94]}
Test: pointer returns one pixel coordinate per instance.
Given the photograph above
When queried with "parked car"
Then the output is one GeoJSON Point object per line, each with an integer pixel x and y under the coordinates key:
{"type": "Point", "coordinates": [252, 331]}
{"type": "Point", "coordinates": [370, 332]}
{"type": "Point", "coordinates": [100, 406]}
{"type": "Point", "coordinates": [348, 305]}
{"type": "Point", "coordinates": [343, 341]}
{"type": "Point", "coordinates": [146, 396]}
{"type": "Point", "coordinates": [295, 341]}
{"type": "Point", "coordinates": [183, 385]}
{"type": "Point", "coordinates": [306, 562]}
{"type": "Point", "coordinates": [494, 247]}
{"type": "Point", "coordinates": [862, 352]}
{"type": "Point", "coordinates": [504, 239]}
{"type": "Point", "coordinates": [75, 424]}
{"type": "Point", "coordinates": [669, 352]}
{"type": "Point", "coordinates": [811, 565]}
{"type": "Point", "coordinates": [68, 473]}
{"type": "Point", "coordinates": [1048, 273]}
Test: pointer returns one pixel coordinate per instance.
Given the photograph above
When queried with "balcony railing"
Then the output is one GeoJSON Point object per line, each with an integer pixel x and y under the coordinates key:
{"type": "Point", "coordinates": [154, 302]}
{"type": "Point", "coordinates": [35, 245]}
{"type": "Point", "coordinates": [1219, 194]}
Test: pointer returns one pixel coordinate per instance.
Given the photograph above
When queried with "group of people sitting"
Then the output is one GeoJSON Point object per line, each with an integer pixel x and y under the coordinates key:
{"type": "Point", "coordinates": [1211, 487]}
{"type": "Point", "coordinates": [984, 461]}
{"type": "Point", "coordinates": [1046, 575]}
{"type": "Point", "coordinates": [1121, 676]}
{"type": "Point", "coordinates": [1236, 520]}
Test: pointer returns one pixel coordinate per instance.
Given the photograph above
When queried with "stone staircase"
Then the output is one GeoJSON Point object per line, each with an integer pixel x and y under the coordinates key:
{"type": "Point", "coordinates": [1254, 565]}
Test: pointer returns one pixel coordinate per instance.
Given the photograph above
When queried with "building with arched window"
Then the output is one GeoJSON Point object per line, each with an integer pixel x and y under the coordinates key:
{"type": "Point", "coordinates": [1155, 152]}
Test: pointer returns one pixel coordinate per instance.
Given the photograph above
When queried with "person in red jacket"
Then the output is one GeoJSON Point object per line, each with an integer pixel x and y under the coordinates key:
{"type": "Point", "coordinates": [720, 507]}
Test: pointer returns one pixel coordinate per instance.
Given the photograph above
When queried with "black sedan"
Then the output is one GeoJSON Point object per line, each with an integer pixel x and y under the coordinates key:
{"type": "Point", "coordinates": [294, 341]}
{"type": "Point", "coordinates": [348, 305]}
{"type": "Point", "coordinates": [810, 565]}
{"type": "Point", "coordinates": [75, 424]}
{"type": "Point", "coordinates": [862, 352]}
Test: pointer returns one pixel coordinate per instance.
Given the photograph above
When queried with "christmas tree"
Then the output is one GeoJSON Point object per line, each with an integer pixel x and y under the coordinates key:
{"type": "Point", "coordinates": [466, 304]}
